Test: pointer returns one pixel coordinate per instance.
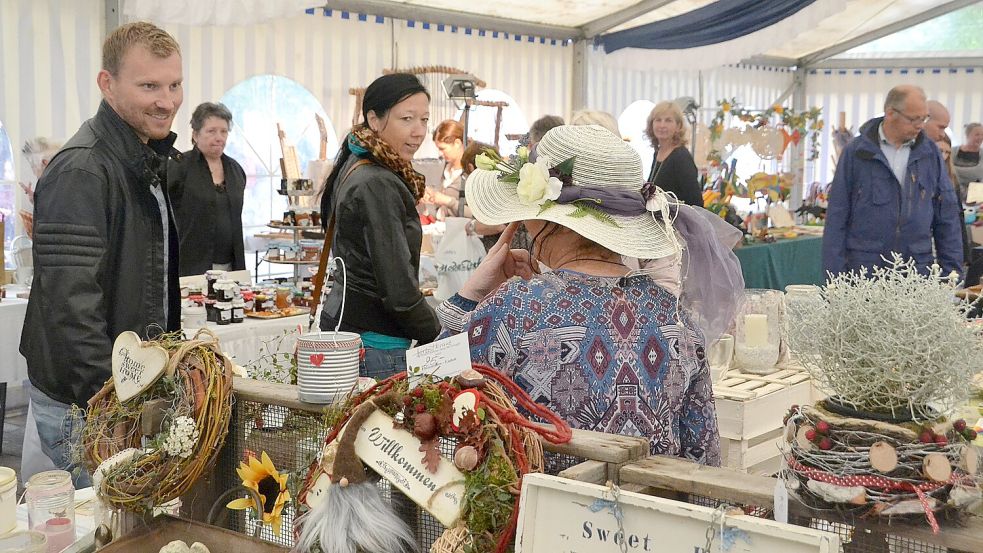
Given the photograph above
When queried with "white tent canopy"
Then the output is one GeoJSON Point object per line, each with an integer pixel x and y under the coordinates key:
{"type": "Point", "coordinates": [834, 27]}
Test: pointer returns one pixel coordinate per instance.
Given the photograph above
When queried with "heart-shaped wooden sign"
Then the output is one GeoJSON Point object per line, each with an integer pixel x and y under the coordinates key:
{"type": "Point", "coordinates": [136, 365]}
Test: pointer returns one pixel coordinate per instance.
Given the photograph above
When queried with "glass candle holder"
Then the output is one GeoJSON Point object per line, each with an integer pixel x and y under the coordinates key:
{"type": "Point", "coordinates": [51, 508]}
{"type": "Point", "coordinates": [758, 336]}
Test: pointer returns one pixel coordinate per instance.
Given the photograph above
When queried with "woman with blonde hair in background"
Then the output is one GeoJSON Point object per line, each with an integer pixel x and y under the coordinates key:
{"type": "Point", "coordinates": [673, 168]}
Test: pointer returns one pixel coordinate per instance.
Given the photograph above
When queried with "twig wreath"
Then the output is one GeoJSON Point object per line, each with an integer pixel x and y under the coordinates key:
{"type": "Point", "coordinates": [152, 448]}
{"type": "Point", "coordinates": [895, 351]}
{"type": "Point", "coordinates": [494, 447]}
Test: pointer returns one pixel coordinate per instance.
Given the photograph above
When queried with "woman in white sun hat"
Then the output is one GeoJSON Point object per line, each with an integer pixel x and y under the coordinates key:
{"type": "Point", "coordinates": [607, 348]}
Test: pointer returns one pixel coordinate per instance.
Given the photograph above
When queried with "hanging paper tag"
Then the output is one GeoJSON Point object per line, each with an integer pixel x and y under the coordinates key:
{"type": "Point", "coordinates": [781, 501]}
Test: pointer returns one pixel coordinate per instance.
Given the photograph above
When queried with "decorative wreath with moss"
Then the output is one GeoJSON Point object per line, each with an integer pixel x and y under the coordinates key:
{"type": "Point", "coordinates": [474, 415]}
{"type": "Point", "coordinates": [152, 448]}
{"type": "Point", "coordinates": [794, 125]}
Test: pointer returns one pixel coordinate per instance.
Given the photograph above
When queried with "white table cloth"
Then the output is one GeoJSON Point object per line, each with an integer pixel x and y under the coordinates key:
{"type": "Point", "coordinates": [252, 343]}
{"type": "Point", "coordinates": [13, 366]}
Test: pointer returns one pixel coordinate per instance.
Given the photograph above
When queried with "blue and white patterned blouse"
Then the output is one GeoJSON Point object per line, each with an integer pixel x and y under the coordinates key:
{"type": "Point", "coordinates": [605, 353]}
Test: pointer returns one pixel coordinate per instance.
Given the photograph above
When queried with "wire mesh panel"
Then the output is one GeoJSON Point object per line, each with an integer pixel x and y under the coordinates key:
{"type": "Point", "coordinates": [853, 539]}
{"type": "Point", "coordinates": [293, 439]}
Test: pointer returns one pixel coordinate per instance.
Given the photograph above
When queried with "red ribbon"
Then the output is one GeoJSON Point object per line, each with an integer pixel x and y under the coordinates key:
{"type": "Point", "coordinates": [878, 483]}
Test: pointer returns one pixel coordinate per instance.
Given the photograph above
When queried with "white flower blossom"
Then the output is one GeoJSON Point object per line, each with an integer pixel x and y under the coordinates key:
{"type": "Point", "coordinates": [485, 162]}
{"type": "Point", "coordinates": [536, 186]}
{"type": "Point", "coordinates": [181, 437]}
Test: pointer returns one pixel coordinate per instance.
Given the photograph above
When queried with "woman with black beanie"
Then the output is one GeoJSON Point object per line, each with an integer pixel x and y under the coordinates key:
{"type": "Point", "coordinates": [372, 194]}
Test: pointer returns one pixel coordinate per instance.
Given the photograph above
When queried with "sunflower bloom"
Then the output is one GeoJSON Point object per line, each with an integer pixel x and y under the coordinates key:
{"type": "Point", "coordinates": [269, 484]}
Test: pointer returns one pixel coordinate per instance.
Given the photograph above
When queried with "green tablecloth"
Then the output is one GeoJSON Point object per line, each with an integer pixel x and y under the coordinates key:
{"type": "Point", "coordinates": [776, 265]}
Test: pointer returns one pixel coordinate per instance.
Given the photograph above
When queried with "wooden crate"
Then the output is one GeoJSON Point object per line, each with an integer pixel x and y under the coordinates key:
{"type": "Point", "coordinates": [759, 455]}
{"type": "Point", "coordinates": [749, 414]}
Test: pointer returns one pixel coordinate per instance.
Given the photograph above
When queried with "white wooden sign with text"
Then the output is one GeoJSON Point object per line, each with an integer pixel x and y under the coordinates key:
{"type": "Point", "coordinates": [557, 515]}
{"type": "Point", "coordinates": [136, 365]}
{"type": "Point", "coordinates": [395, 454]}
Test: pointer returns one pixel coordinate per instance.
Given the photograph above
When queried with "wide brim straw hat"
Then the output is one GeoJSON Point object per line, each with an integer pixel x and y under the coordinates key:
{"type": "Point", "coordinates": [601, 160]}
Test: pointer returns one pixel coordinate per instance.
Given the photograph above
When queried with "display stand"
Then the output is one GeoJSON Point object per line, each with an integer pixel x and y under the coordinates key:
{"type": "Point", "coordinates": [291, 189]}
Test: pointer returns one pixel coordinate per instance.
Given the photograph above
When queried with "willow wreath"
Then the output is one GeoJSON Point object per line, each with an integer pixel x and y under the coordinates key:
{"type": "Point", "coordinates": [159, 443]}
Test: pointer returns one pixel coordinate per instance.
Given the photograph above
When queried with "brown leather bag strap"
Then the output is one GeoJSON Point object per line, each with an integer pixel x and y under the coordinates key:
{"type": "Point", "coordinates": [322, 265]}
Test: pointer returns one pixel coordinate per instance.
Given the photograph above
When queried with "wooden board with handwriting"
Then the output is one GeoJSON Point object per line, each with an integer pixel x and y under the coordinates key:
{"type": "Point", "coordinates": [565, 516]}
{"type": "Point", "coordinates": [395, 454]}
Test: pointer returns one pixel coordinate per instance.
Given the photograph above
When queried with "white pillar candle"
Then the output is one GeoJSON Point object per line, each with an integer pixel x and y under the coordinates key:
{"type": "Point", "coordinates": [756, 330]}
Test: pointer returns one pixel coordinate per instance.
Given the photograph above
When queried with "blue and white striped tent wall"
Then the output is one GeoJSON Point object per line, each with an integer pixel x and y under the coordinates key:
{"type": "Point", "coordinates": [329, 52]}
{"type": "Point", "coordinates": [861, 92]}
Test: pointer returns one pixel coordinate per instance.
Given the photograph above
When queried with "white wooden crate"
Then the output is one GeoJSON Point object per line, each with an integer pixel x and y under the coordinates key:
{"type": "Point", "coordinates": [759, 456]}
{"type": "Point", "coordinates": [750, 405]}
{"type": "Point", "coordinates": [750, 409]}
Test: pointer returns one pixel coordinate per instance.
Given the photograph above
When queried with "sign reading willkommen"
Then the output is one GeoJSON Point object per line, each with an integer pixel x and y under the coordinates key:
{"type": "Point", "coordinates": [557, 515]}
{"type": "Point", "coordinates": [395, 454]}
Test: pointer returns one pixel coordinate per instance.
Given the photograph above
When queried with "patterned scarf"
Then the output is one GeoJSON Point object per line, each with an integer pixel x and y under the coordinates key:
{"type": "Point", "coordinates": [364, 142]}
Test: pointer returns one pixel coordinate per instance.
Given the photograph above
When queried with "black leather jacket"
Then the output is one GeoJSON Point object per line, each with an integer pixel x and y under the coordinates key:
{"type": "Point", "coordinates": [98, 257]}
{"type": "Point", "coordinates": [378, 235]}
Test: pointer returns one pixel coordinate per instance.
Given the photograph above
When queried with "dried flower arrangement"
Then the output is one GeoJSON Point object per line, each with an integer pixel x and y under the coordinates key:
{"type": "Point", "coordinates": [895, 351]}
{"type": "Point", "coordinates": [494, 445]}
{"type": "Point", "coordinates": [893, 344]}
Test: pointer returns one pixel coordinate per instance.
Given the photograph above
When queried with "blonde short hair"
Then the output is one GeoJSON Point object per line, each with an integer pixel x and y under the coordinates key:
{"type": "Point", "coordinates": [141, 33]}
{"type": "Point", "coordinates": [666, 108]}
{"type": "Point", "coordinates": [594, 117]}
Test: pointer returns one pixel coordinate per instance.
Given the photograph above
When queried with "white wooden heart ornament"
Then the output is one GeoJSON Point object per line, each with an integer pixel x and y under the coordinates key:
{"type": "Point", "coordinates": [136, 366]}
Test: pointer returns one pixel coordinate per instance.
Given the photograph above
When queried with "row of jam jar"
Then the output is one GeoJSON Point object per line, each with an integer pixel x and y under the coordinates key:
{"type": "Point", "coordinates": [289, 252]}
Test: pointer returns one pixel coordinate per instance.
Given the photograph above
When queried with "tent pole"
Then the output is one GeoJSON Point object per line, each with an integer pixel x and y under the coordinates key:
{"type": "Point", "coordinates": [798, 150]}
{"type": "Point", "coordinates": [113, 15]}
{"type": "Point", "coordinates": [580, 75]}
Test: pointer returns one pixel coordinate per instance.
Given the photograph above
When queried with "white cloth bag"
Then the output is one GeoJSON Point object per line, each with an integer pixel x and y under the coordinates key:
{"type": "Point", "coordinates": [458, 255]}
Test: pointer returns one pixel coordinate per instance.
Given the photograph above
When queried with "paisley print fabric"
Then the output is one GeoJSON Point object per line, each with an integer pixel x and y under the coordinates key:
{"type": "Point", "coordinates": [606, 353]}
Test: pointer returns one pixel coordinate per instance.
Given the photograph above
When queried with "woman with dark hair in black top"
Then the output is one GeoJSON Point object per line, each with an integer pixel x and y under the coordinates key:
{"type": "Point", "coordinates": [673, 169]}
{"type": "Point", "coordinates": [371, 194]}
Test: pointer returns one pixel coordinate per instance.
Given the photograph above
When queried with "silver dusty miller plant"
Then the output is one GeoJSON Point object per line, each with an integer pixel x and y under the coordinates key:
{"type": "Point", "coordinates": [893, 342]}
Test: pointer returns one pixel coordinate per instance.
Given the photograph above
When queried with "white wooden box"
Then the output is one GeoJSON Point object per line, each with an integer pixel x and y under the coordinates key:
{"type": "Point", "coordinates": [750, 409]}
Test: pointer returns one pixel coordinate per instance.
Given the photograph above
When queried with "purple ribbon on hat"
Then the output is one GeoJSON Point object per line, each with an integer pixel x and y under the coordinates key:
{"type": "Point", "coordinates": [620, 202]}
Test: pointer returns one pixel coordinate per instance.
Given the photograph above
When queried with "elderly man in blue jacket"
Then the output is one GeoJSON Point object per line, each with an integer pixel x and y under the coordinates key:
{"type": "Point", "coordinates": [891, 193]}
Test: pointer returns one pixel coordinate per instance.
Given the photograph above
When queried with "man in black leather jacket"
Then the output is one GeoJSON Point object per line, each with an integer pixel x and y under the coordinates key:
{"type": "Point", "coordinates": [105, 244]}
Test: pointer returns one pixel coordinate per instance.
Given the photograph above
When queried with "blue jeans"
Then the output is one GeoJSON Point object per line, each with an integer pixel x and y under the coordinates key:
{"type": "Point", "coordinates": [60, 434]}
{"type": "Point", "coordinates": [382, 363]}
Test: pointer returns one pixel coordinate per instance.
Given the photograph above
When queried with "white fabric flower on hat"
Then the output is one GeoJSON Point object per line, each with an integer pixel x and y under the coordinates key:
{"type": "Point", "coordinates": [536, 186]}
{"type": "Point", "coordinates": [483, 161]}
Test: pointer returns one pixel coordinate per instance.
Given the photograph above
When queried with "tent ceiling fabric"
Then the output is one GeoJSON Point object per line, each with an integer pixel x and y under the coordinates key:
{"type": "Point", "coordinates": [564, 13]}
{"type": "Point", "coordinates": [719, 22]}
{"type": "Point", "coordinates": [853, 18]}
{"type": "Point", "coordinates": [857, 18]}
{"type": "Point", "coordinates": [214, 12]}
{"type": "Point", "coordinates": [723, 53]}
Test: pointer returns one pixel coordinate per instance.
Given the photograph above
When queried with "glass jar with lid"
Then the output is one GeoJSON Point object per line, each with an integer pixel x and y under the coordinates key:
{"type": "Point", "coordinates": [50, 499]}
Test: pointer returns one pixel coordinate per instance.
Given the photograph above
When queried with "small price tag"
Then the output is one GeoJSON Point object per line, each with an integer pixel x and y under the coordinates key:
{"type": "Point", "coordinates": [443, 358]}
{"type": "Point", "coordinates": [781, 501]}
